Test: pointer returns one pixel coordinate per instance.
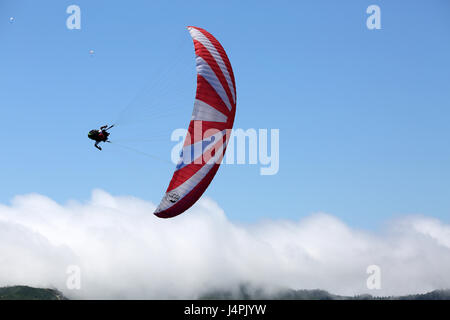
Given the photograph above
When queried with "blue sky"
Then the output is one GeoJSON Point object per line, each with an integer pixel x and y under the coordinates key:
{"type": "Point", "coordinates": [363, 114]}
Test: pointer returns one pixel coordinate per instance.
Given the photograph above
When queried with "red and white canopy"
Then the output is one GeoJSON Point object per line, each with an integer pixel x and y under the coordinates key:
{"type": "Point", "coordinates": [209, 129]}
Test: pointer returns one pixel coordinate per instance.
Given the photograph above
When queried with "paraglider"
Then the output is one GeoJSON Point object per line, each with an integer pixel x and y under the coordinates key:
{"type": "Point", "coordinates": [100, 135]}
{"type": "Point", "coordinates": [209, 129]}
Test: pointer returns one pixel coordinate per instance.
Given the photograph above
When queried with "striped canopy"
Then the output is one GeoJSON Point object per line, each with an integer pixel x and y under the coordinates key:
{"type": "Point", "coordinates": [209, 129]}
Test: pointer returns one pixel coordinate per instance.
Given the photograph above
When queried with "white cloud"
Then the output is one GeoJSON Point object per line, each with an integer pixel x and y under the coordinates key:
{"type": "Point", "coordinates": [124, 251]}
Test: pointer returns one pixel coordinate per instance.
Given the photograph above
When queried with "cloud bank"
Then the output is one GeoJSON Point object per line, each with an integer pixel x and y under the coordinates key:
{"type": "Point", "coordinates": [123, 251]}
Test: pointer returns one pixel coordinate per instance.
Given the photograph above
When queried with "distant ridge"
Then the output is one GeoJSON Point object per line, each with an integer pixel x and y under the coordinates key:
{"type": "Point", "coordinates": [243, 293]}
{"type": "Point", "coordinates": [248, 293]}
{"type": "Point", "coordinates": [29, 293]}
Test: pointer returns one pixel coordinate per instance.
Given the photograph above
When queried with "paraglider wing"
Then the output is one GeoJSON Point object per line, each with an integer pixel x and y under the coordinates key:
{"type": "Point", "coordinates": [209, 129]}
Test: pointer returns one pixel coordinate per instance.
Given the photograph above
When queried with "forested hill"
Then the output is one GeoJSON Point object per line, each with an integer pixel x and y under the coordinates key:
{"type": "Point", "coordinates": [29, 293]}
{"type": "Point", "coordinates": [244, 293]}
